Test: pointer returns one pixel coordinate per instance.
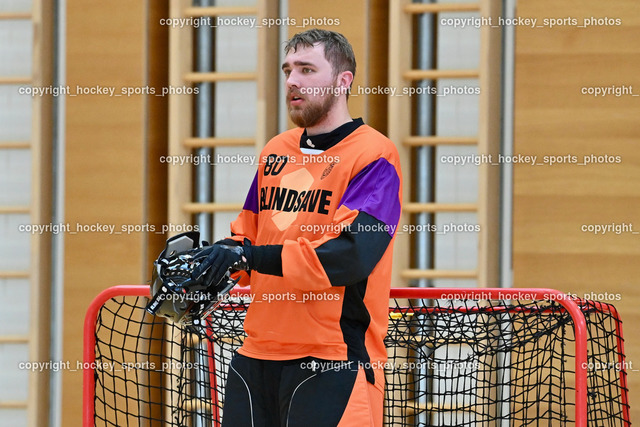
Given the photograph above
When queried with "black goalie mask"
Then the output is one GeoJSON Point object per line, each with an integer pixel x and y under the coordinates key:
{"type": "Point", "coordinates": [173, 292]}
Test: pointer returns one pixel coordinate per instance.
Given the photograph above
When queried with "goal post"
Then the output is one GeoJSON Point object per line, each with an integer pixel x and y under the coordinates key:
{"type": "Point", "coordinates": [467, 357]}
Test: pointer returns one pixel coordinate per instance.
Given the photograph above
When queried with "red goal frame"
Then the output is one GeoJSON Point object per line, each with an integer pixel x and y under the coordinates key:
{"type": "Point", "coordinates": [572, 307]}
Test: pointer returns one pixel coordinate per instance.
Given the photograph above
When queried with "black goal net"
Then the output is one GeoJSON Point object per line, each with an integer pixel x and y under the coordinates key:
{"type": "Point", "coordinates": [454, 360]}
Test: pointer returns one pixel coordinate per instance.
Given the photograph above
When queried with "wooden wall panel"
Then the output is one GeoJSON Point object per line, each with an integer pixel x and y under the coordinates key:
{"type": "Point", "coordinates": [112, 171]}
{"type": "Point", "coordinates": [378, 63]}
{"type": "Point", "coordinates": [41, 210]}
{"type": "Point", "coordinates": [552, 203]}
{"type": "Point", "coordinates": [157, 131]}
{"type": "Point", "coordinates": [400, 127]}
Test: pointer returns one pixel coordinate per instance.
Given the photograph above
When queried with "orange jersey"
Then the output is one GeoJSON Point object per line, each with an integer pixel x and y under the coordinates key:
{"type": "Point", "coordinates": [329, 218]}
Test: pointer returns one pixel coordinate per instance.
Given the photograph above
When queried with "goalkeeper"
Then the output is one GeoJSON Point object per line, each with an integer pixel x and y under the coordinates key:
{"type": "Point", "coordinates": [314, 241]}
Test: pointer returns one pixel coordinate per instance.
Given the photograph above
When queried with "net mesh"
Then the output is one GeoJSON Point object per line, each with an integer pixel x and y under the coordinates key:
{"type": "Point", "coordinates": [451, 363]}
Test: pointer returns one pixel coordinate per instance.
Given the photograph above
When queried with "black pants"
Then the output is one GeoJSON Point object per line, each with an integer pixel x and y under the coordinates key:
{"type": "Point", "coordinates": [294, 393]}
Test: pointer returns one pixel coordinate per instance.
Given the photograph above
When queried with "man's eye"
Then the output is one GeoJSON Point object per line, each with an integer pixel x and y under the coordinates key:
{"type": "Point", "coordinates": [307, 70]}
{"type": "Point", "coordinates": [286, 72]}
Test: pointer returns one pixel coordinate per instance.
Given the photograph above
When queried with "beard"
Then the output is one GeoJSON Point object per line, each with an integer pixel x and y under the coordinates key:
{"type": "Point", "coordinates": [312, 112]}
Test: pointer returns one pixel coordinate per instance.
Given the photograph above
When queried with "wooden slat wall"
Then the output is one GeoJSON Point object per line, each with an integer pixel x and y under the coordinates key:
{"type": "Point", "coordinates": [157, 174]}
{"type": "Point", "coordinates": [401, 74]}
{"type": "Point", "coordinates": [157, 130]}
{"type": "Point", "coordinates": [399, 128]}
{"type": "Point", "coordinates": [40, 20]}
{"type": "Point", "coordinates": [553, 117]}
{"type": "Point", "coordinates": [41, 212]}
{"type": "Point", "coordinates": [112, 174]}
{"type": "Point", "coordinates": [180, 116]}
{"type": "Point", "coordinates": [181, 138]}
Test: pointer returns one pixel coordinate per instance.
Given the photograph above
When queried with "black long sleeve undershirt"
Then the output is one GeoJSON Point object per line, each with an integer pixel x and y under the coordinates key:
{"type": "Point", "coordinates": [347, 259]}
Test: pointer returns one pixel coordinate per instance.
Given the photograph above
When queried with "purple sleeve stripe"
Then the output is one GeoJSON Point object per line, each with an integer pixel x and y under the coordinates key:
{"type": "Point", "coordinates": [374, 190]}
{"type": "Point", "coordinates": [251, 202]}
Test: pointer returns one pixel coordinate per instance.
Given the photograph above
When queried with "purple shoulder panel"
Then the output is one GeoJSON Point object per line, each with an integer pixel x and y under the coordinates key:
{"type": "Point", "coordinates": [251, 202]}
{"type": "Point", "coordinates": [374, 190]}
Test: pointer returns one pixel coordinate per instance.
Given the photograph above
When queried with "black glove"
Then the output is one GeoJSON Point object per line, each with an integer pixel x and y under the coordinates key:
{"type": "Point", "coordinates": [219, 259]}
{"type": "Point", "coordinates": [173, 293]}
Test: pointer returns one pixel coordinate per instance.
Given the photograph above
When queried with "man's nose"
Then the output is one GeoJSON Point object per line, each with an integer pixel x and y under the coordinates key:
{"type": "Point", "coordinates": [292, 80]}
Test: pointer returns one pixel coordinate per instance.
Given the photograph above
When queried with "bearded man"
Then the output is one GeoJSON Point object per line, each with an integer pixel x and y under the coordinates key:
{"type": "Point", "coordinates": [314, 242]}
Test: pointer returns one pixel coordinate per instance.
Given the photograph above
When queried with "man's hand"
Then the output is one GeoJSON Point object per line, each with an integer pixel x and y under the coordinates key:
{"type": "Point", "coordinates": [219, 259]}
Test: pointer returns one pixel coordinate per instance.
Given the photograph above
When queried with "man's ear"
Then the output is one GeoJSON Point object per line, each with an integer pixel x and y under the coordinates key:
{"type": "Point", "coordinates": [345, 79]}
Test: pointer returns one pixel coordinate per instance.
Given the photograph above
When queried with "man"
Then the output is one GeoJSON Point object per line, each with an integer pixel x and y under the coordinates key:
{"type": "Point", "coordinates": [316, 235]}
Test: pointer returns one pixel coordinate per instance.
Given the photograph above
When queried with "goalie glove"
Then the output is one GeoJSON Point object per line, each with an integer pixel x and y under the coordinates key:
{"type": "Point", "coordinates": [219, 259]}
{"type": "Point", "coordinates": [174, 293]}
